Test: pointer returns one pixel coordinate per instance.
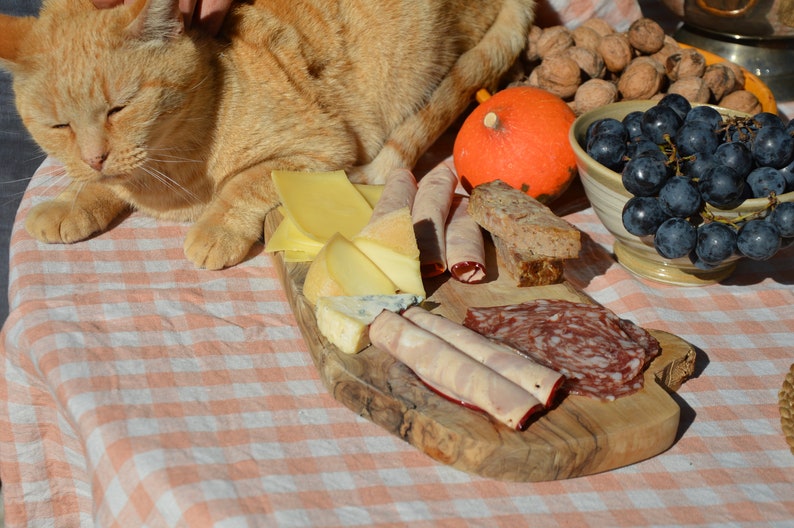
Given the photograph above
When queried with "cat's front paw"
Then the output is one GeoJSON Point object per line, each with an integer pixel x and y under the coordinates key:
{"type": "Point", "coordinates": [216, 247]}
{"type": "Point", "coordinates": [57, 222]}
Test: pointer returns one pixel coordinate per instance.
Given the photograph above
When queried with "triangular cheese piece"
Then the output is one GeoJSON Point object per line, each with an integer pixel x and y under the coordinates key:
{"type": "Point", "coordinates": [344, 321]}
{"type": "Point", "coordinates": [389, 241]}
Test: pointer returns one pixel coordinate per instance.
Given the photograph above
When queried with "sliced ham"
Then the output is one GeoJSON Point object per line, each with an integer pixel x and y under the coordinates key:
{"type": "Point", "coordinates": [431, 208]}
{"type": "Point", "coordinates": [465, 248]}
{"type": "Point", "coordinates": [452, 372]}
{"type": "Point", "coordinates": [539, 380]}
{"type": "Point", "coordinates": [398, 192]}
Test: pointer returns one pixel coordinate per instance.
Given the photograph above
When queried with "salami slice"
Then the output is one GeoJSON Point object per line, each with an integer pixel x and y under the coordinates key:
{"type": "Point", "coordinates": [600, 354]}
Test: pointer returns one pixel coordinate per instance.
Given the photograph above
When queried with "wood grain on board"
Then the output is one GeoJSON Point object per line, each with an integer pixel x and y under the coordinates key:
{"type": "Point", "coordinates": [579, 436]}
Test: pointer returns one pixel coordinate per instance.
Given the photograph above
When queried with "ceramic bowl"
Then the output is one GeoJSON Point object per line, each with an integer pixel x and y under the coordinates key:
{"type": "Point", "coordinates": [607, 196]}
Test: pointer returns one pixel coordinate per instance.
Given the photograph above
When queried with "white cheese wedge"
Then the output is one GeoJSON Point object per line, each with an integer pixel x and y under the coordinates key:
{"type": "Point", "coordinates": [340, 268]}
{"type": "Point", "coordinates": [312, 201]}
{"type": "Point", "coordinates": [344, 321]}
{"type": "Point", "coordinates": [389, 241]}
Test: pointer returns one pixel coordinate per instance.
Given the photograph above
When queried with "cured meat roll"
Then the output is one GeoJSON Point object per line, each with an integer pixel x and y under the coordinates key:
{"type": "Point", "coordinates": [600, 354]}
{"type": "Point", "coordinates": [465, 247]}
{"type": "Point", "coordinates": [431, 208]}
{"type": "Point", "coordinates": [539, 380]}
{"type": "Point", "coordinates": [452, 372]}
{"type": "Point", "coordinates": [398, 192]}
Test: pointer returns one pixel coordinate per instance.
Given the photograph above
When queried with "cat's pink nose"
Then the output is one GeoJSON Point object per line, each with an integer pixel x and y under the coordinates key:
{"type": "Point", "coordinates": [97, 162]}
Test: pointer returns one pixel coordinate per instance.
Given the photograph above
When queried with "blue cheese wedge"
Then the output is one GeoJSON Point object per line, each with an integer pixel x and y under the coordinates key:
{"type": "Point", "coordinates": [345, 320]}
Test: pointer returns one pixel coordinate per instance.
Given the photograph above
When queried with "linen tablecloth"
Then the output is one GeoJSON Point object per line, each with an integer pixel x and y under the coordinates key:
{"type": "Point", "coordinates": [139, 391]}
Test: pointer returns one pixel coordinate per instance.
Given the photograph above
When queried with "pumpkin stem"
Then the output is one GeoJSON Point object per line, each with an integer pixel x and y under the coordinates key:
{"type": "Point", "coordinates": [491, 120]}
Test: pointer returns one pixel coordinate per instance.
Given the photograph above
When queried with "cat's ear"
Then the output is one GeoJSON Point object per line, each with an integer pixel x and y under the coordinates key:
{"type": "Point", "coordinates": [12, 31]}
{"type": "Point", "coordinates": [155, 20]}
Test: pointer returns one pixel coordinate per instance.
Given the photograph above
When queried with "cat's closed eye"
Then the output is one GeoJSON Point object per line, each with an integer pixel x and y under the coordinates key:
{"type": "Point", "coordinates": [61, 126]}
{"type": "Point", "coordinates": [115, 110]}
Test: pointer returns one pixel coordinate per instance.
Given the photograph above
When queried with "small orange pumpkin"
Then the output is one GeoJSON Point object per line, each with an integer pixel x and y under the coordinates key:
{"type": "Point", "coordinates": [520, 136]}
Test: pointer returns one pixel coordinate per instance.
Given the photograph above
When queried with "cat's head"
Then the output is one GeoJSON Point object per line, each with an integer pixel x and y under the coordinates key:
{"type": "Point", "coordinates": [103, 90]}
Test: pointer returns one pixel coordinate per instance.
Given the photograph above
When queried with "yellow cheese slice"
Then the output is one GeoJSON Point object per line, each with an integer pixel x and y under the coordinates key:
{"type": "Point", "coordinates": [389, 241]}
{"type": "Point", "coordinates": [340, 268]}
{"type": "Point", "coordinates": [291, 255]}
{"type": "Point", "coordinates": [322, 203]}
{"type": "Point", "coordinates": [287, 237]}
{"type": "Point", "coordinates": [371, 193]}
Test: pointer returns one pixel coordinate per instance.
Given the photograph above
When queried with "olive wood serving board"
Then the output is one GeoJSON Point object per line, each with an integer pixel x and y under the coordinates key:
{"type": "Point", "coordinates": [579, 436]}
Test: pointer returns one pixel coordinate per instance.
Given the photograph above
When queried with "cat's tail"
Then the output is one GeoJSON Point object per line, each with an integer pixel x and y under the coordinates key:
{"type": "Point", "coordinates": [479, 67]}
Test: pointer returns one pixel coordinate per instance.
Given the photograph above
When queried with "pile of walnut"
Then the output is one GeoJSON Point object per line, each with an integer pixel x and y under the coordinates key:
{"type": "Point", "coordinates": [594, 65]}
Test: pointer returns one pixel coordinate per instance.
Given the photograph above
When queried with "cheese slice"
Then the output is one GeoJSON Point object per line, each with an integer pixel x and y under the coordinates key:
{"type": "Point", "coordinates": [322, 203]}
{"type": "Point", "coordinates": [340, 268]}
{"type": "Point", "coordinates": [287, 237]}
{"type": "Point", "coordinates": [389, 241]}
{"type": "Point", "coordinates": [344, 321]}
{"type": "Point", "coordinates": [371, 193]}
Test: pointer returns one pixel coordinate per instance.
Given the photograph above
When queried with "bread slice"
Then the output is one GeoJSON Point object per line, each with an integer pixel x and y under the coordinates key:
{"type": "Point", "coordinates": [522, 222]}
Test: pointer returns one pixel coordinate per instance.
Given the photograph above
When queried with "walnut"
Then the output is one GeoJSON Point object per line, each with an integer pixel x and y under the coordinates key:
{"type": "Point", "coordinates": [616, 51]}
{"type": "Point", "coordinates": [693, 88]}
{"type": "Point", "coordinates": [594, 93]}
{"type": "Point", "coordinates": [738, 72]}
{"type": "Point", "coordinates": [554, 40]}
{"type": "Point", "coordinates": [646, 35]}
{"type": "Point", "coordinates": [720, 79]}
{"type": "Point", "coordinates": [640, 80]}
{"type": "Point", "coordinates": [687, 62]}
{"type": "Point", "coordinates": [669, 47]}
{"type": "Point", "coordinates": [743, 101]}
{"type": "Point", "coordinates": [585, 37]}
{"type": "Point", "coordinates": [559, 75]}
{"type": "Point", "coordinates": [532, 43]}
{"type": "Point", "coordinates": [599, 25]}
{"type": "Point", "coordinates": [653, 62]}
{"type": "Point", "coordinates": [589, 61]}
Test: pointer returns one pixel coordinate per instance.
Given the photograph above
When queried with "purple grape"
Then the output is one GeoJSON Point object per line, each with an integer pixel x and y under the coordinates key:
{"type": "Point", "coordinates": [764, 181]}
{"type": "Point", "coordinates": [735, 155]}
{"type": "Point", "coordinates": [773, 147]}
{"type": "Point", "coordinates": [632, 123]}
{"type": "Point", "coordinates": [758, 239]}
{"type": "Point", "coordinates": [675, 238]}
{"type": "Point", "coordinates": [677, 102]}
{"type": "Point", "coordinates": [608, 150]}
{"type": "Point", "coordinates": [680, 197]}
{"type": "Point", "coordinates": [644, 175]}
{"type": "Point", "coordinates": [659, 123]}
{"type": "Point", "coordinates": [706, 114]}
{"type": "Point", "coordinates": [716, 242]}
{"type": "Point", "coordinates": [695, 137]}
{"type": "Point", "coordinates": [783, 218]}
{"type": "Point", "coordinates": [721, 186]}
{"type": "Point", "coordinates": [642, 215]}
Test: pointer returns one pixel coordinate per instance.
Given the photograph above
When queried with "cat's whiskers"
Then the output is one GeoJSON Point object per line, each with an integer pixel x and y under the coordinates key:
{"type": "Point", "coordinates": [169, 182]}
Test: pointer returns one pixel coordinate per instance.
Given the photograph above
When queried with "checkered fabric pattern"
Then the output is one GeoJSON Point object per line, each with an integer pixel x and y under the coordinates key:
{"type": "Point", "coordinates": [139, 391]}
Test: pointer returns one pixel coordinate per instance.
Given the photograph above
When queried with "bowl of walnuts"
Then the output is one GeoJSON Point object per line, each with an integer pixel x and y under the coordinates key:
{"type": "Point", "coordinates": [687, 189]}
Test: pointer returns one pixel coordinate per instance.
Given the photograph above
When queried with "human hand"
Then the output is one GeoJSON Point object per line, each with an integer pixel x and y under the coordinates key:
{"type": "Point", "coordinates": [206, 14]}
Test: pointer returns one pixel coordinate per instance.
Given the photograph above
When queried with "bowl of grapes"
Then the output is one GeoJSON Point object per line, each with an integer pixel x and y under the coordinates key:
{"type": "Point", "coordinates": [687, 189]}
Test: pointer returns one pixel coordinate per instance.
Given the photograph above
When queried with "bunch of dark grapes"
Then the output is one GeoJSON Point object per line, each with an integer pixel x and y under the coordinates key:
{"type": "Point", "coordinates": [675, 159]}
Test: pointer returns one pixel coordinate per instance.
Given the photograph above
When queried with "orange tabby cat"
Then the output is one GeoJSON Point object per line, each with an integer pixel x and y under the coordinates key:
{"type": "Point", "coordinates": [180, 126]}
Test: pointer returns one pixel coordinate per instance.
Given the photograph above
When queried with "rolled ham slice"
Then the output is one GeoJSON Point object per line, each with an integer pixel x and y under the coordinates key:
{"type": "Point", "coordinates": [538, 380]}
{"type": "Point", "coordinates": [431, 208]}
{"type": "Point", "coordinates": [465, 248]}
{"type": "Point", "coordinates": [452, 372]}
{"type": "Point", "coordinates": [398, 192]}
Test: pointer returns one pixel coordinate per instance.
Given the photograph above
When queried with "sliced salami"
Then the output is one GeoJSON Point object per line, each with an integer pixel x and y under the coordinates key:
{"type": "Point", "coordinates": [600, 354]}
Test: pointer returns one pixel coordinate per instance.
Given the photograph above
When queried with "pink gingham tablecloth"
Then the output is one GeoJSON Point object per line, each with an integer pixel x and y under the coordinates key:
{"type": "Point", "coordinates": [139, 391]}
